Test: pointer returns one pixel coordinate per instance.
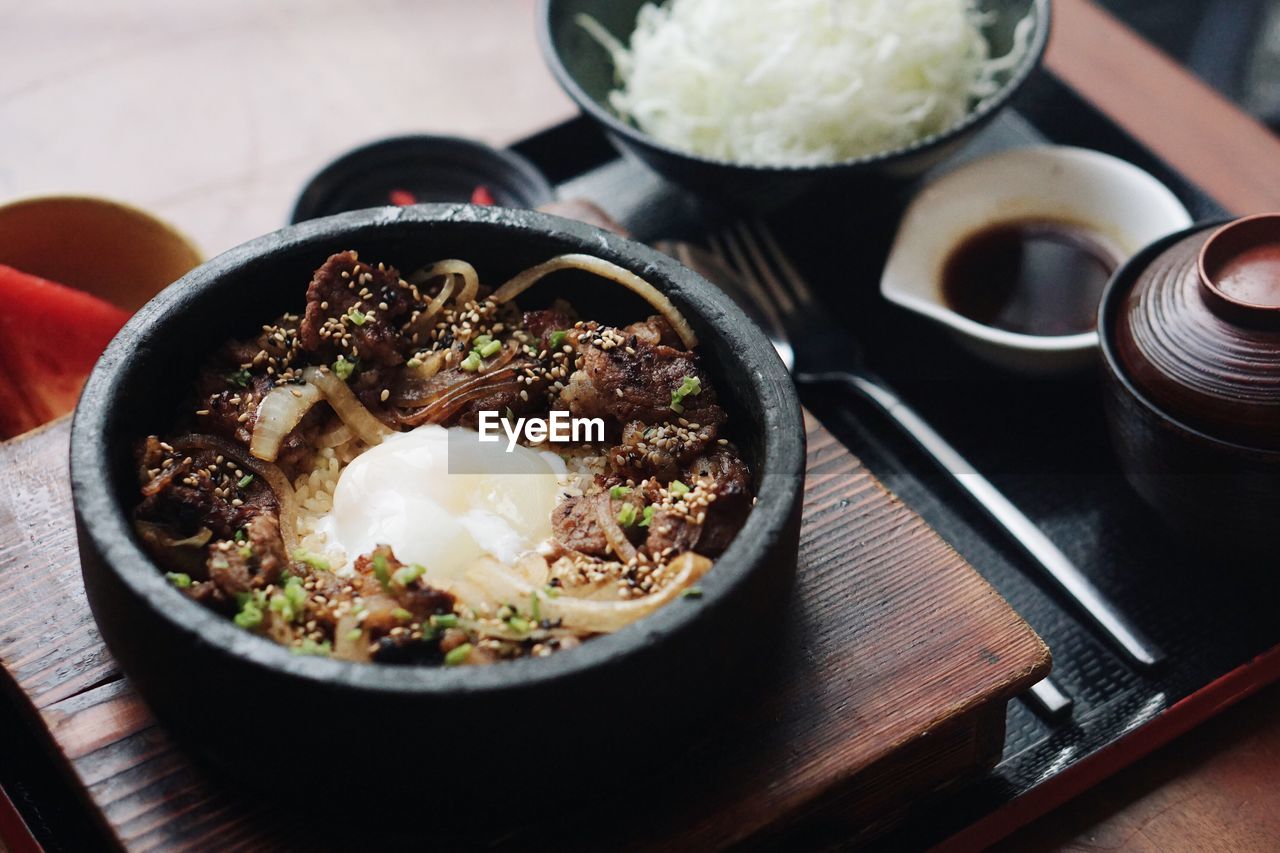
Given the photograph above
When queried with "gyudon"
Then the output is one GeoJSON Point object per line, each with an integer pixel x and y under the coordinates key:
{"type": "Point", "coordinates": [328, 489]}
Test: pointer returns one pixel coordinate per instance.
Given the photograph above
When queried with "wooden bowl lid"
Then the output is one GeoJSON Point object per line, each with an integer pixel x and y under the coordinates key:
{"type": "Point", "coordinates": [1199, 333]}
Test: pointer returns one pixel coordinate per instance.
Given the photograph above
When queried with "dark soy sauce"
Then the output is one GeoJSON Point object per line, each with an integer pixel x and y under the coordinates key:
{"type": "Point", "coordinates": [1032, 276]}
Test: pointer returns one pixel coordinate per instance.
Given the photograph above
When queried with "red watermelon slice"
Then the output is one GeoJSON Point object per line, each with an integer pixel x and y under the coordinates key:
{"type": "Point", "coordinates": [50, 337]}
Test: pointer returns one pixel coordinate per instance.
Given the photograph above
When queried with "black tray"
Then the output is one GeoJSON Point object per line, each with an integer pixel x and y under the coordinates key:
{"type": "Point", "coordinates": [1043, 442]}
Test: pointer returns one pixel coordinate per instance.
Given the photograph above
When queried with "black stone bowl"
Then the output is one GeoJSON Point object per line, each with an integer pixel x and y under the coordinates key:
{"type": "Point", "coordinates": [1211, 492]}
{"type": "Point", "coordinates": [455, 737]}
{"type": "Point", "coordinates": [586, 72]}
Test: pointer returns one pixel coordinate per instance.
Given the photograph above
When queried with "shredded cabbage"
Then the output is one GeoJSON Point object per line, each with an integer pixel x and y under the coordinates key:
{"type": "Point", "coordinates": [803, 82]}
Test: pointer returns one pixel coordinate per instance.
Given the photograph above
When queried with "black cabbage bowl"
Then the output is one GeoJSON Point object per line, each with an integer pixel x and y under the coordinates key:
{"type": "Point", "coordinates": [586, 73]}
{"type": "Point", "coordinates": [262, 713]}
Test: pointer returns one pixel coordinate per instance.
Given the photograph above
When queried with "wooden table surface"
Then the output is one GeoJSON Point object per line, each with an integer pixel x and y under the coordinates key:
{"type": "Point", "coordinates": [213, 114]}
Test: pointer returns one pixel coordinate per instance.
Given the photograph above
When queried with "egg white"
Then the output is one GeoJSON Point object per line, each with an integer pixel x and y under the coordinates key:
{"type": "Point", "coordinates": [401, 493]}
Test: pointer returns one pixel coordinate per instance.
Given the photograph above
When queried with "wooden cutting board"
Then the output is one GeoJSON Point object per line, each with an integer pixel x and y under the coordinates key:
{"type": "Point", "coordinates": [890, 684]}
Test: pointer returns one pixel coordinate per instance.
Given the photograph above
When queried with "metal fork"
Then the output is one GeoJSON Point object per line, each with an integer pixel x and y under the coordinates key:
{"type": "Point", "coordinates": [817, 350]}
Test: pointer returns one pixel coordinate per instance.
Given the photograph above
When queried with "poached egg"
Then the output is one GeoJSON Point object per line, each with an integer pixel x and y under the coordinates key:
{"type": "Point", "coordinates": [442, 498]}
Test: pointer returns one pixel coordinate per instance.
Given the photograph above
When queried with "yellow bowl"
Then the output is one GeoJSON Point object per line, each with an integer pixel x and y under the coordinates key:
{"type": "Point", "coordinates": [115, 252]}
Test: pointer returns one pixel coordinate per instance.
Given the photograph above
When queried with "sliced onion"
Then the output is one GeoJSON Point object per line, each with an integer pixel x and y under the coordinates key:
{"type": "Point", "coordinates": [450, 401]}
{"type": "Point", "coordinates": [184, 555]}
{"type": "Point", "coordinates": [533, 568]}
{"type": "Point", "coordinates": [337, 436]}
{"type": "Point", "coordinates": [278, 413]}
{"type": "Point", "coordinates": [268, 472]}
{"type": "Point", "coordinates": [160, 534]}
{"type": "Point", "coordinates": [595, 617]}
{"type": "Point", "coordinates": [605, 269]}
{"type": "Point", "coordinates": [451, 267]}
{"type": "Point", "coordinates": [346, 405]}
{"type": "Point", "coordinates": [346, 647]}
{"type": "Point", "coordinates": [429, 367]}
{"type": "Point", "coordinates": [423, 321]}
{"type": "Point", "coordinates": [613, 533]}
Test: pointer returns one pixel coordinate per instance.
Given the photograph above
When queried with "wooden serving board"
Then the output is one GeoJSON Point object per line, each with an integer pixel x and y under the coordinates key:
{"type": "Point", "coordinates": [890, 683]}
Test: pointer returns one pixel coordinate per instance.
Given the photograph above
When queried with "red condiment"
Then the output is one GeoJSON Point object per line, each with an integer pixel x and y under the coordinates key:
{"type": "Point", "coordinates": [402, 198]}
{"type": "Point", "coordinates": [52, 336]}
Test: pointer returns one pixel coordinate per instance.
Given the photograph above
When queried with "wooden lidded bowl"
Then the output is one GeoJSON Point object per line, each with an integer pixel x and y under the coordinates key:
{"type": "Point", "coordinates": [1190, 337]}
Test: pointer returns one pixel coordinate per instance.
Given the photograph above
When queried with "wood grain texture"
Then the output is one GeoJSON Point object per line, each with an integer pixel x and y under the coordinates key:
{"type": "Point", "coordinates": [889, 683]}
{"type": "Point", "coordinates": [1164, 106]}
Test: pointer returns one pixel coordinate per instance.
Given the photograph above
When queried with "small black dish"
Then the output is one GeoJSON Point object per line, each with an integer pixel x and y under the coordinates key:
{"type": "Point", "coordinates": [419, 169]}
{"type": "Point", "coordinates": [585, 71]}
{"type": "Point", "coordinates": [427, 738]}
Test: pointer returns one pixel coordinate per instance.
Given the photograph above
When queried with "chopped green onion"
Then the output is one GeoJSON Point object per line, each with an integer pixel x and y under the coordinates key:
{"type": "Point", "coordinates": [246, 550]}
{"type": "Point", "coordinates": [489, 348]}
{"type": "Point", "coordinates": [689, 387]}
{"type": "Point", "coordinates": [239, 378]}
{"type": "Point", "coordinates": [535, 606]}
{"type": "Point", "coordinates": [408, 574]}
{"type": "Point", "coordinates": [315, 561]}
{"type": "Point", "coordinates": [381, 570]}
{"type": "Point", "coordinates": [551, 591]}
{"type": "Point", "coordinates": [296, 593]}
{"type": "Point", "coordinates": [619, 491]}
{"type": "Point", "coordinates": [343, 368]}
{"type": "Point", "coordinates": [472, 362]}
{"type": "Point", "coordinates": [240, 535]}
{"type": "Point", "coordinates": [292, 602]}
{"type": "Point", "coordinates": [677, 488]}
{"type": "Point", "coordinates": [627, 515]}
{"type": "Point", "coordinates": [692, 592]}
{"type": "Point", "coordinates": [445, 620]}
{"type": "Point", "coordinates": [311, 647]}
{"type": "Point", "coordinates": [354, 634]}
{"type": "Point", "coordinates": [357, 316]}
{"type": "Point", "coordinates": [458, 655]}
{"type": "Point", "coordinates": [181, 580]}
{"type": "Point", "coordinates": [647, 518]}
{"type": "Point", "coordinates": [518, 624]}
{"type": "Point", "coordinates": [250, 615]}
{"type": "Point", "coordinates": [401, 614]}
{"type": "Point", "coordinates": [481, 341]}
{"type": "Point", "coordinates": [557, 338]}
{"type": "Point", "coordinates": [244, 481]}
{"type": "Point", "coordinates": [280, 604]}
